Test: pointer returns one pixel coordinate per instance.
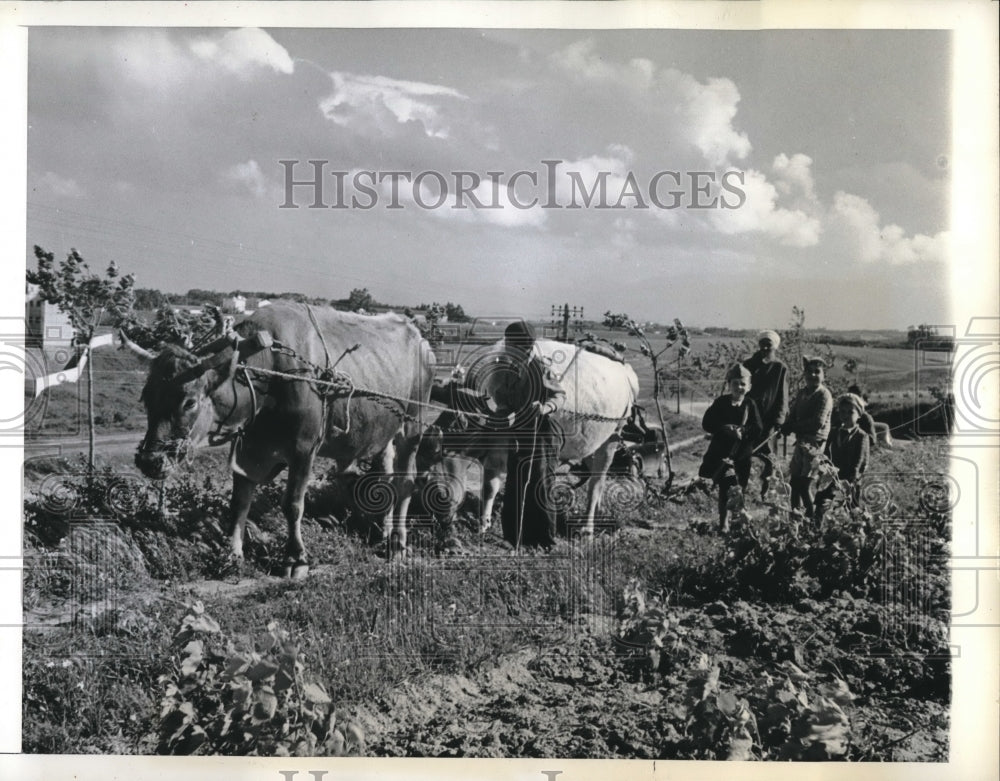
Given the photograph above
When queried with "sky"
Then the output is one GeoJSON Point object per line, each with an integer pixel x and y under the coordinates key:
{"type": "Point", "coordinates": [160, 149]}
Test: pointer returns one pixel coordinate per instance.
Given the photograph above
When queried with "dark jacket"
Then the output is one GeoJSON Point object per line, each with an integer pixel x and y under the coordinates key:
{"type": "Point", "coordinates": [769, 388]}
{"type": "Point", "coordinates": [848, 450]}
{"type": "Point", "coordinates": [723, 413]}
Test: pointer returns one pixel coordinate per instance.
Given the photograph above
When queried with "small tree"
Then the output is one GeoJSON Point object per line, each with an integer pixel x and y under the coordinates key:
{"type": "Point", "coordinates": [84, 297]}
{"type": "Point", "coordinates": [360, 298]}
{"type": "Point", "coordinates": [613, 321]}
{"type": "Point", "coordinates": [676, 334]}
{"type": "Point", "coordinates": [455, 313]}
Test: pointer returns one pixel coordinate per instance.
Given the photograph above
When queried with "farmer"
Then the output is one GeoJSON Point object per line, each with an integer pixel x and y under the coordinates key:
{"type": "Point", "coordinates": [809, 420]}
{"type": "Point", "coordinates": [769, 389]}
{"type": "Point", "coordinates": [848, 449]}
{"type": "Point", "coordinates": [528, 397]}
{"type": "Point", "coordinates": [734, 423]}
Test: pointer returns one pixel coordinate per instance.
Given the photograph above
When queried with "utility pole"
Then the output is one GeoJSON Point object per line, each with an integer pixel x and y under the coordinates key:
{"type": "Point", "coordinates": [563, 313]}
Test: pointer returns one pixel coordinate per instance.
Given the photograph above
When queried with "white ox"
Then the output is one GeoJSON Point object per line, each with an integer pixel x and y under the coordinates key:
{"type": "Point", "coordinates": [600, 393]}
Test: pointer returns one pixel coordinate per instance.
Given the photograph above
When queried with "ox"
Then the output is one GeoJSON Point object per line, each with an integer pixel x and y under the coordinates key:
{"type": "Point", "coordinates": [256, 390]}
{"type": "Point", "coordinates": [600, 394]}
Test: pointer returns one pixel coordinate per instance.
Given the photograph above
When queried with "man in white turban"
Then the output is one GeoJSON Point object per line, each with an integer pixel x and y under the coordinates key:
{"type": "Point", "coordinates": [769, 389]}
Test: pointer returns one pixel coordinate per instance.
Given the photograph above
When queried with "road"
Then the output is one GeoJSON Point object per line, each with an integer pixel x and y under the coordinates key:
{"type": "Point", "coordinates": [41, 447]}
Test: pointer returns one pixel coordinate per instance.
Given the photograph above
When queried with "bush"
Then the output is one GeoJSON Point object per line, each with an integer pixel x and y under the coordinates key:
{"type": "Point", "coordinates": [219, 700]}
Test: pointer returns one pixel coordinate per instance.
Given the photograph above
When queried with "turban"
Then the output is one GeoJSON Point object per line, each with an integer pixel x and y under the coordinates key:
{"type": "Point", "coordinates": [738, 371]}
{"type": "Point", "coordinates": [771, 336]}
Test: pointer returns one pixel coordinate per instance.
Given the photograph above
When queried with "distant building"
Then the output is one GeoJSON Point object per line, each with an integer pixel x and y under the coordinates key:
{"type": "Point", "coordinates": [191, 309]}
{"type": "Point", "coordinates": [236, 305]}
{"type": "Point", "coordinates": [46, 326]}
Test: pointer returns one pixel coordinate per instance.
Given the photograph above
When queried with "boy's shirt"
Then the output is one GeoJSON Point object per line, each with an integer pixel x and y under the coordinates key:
{"type": "Point", "coordinates": [848, 449]}
{"type": "Point", "coordinates": [809, 416]}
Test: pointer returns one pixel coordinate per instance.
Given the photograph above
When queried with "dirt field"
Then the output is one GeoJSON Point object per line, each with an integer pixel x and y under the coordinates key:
{"type": "Point", "coordinates": [659, 639]}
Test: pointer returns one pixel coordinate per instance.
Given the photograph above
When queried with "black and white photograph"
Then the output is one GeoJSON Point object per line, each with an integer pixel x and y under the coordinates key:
{"type": "Point", "coordinates": [584, 386]}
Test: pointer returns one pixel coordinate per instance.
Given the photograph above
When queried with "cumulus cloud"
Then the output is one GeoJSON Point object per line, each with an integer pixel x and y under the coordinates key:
{"type": "Point", "coordinates": [153, 58]}
{"type": "Point", "coordinates": [581, 179]}
{"type": "Point", "coordinates": [363, 101]}
{"type": "Point", "coordinates": [793, 176]}
{"type": "Point", "coordinates": [760, 212]}
{"type": "Point", "coordinates": [857, 224]}
{"type": "Point", "coordinates": [61, 186]}
{"type": "Point", "coordinates": [244, 51]}
{"type": "Point", "coordinates": [700, 113]}
{"type": "Point", "coordinates": [249, 176]}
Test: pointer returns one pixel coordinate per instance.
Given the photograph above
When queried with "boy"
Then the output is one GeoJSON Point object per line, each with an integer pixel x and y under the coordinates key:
{"type": "Point", "coordinates": [734, 423]}
{"type": "Point", "coordinates": [809, 419]}
{"type": "Point", "coordinates": [848, 449]}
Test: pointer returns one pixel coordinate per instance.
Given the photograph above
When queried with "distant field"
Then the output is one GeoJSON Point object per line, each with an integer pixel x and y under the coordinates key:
{"type": "Point", "coordinates": [888, 373]}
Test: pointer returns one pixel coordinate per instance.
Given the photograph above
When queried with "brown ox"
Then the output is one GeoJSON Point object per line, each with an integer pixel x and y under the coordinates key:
{"type": "Point", "coordinates": [382, 371]}
{"type": "Point", "coordinates": [600, 393]}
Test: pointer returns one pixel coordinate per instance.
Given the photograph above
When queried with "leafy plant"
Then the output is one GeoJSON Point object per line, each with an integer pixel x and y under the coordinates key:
{"type": "Point", "coordinates": [218, 700]}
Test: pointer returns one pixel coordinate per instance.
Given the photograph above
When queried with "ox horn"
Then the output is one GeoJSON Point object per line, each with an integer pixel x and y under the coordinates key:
{"type": "Point", "coordinates": [142, 352]}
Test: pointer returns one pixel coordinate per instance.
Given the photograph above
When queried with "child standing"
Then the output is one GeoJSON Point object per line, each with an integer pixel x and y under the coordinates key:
{"type": "Point", "coordinates": [848, 449]}
{"type": "Point", "coordinates": [809, 419]}
{"type": "Point", "coordinates": [734, 423]}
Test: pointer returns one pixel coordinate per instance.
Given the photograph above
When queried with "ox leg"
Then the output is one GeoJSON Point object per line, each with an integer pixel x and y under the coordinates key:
{"type": "Point", "coordinates": [293, 505]}
{"type": "Point", "coordinates": [492, 485]}
{"type": "Point", "coordinates": [395, 538]}
{"type": "Point", "coordinates": [239, 506]}
{"type": "Point", "coordinates": [405, 476]}
{"type": "Point", "coordinates": [597, 464]}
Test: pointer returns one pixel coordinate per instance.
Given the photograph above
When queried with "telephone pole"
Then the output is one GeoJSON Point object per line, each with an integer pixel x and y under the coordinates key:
{"type": "Point", "coordinates": [563, 313]}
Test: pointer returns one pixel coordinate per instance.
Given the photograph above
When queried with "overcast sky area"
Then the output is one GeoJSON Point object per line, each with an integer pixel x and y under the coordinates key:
{"type": "Point", "coordinates": [159, 149]}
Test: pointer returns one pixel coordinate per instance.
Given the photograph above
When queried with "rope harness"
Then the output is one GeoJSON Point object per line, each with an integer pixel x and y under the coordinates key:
{"type": "Point", "coordinates": [327, 382]}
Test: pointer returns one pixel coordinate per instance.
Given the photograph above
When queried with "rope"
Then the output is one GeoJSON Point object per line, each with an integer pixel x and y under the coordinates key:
{"type": "Point", "coordinates": [312, 318]}
{"type": "Point", "coordinates": [918, 417]}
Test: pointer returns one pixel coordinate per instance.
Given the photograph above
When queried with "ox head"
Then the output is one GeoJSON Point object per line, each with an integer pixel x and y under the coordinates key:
{"type": "Point", "coordinates": [178, 409]}
{"type": "Point", "coordinates": [443, 479]}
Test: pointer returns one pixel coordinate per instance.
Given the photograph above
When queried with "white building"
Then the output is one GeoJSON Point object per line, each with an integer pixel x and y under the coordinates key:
{"type": "Point", "coordinates": [234, 304]}
{"type": "Point", "coordinates": [45, 325]}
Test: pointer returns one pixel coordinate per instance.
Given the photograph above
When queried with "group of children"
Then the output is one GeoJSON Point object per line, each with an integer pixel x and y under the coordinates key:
{"type": "Point", "coordinates": [745, 423]}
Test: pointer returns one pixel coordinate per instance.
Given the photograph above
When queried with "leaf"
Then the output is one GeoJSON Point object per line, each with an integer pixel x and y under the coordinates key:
{"type": "Point", "coordinates": [261, 670]}
{"type": "Point", "coordinates": [235, 665]}
{"type": "Point", "coordinates": [194, 654]}
{"type": "Point", "coordinates": [838, 691]}
{"type": "Point", "coordinates": [193, 737]}
{"type": "Point", "coordinates": [267, 640]}
{"type": "Point", "coordinates": [205, 623]}
{"type": "Point", "coordinates": [740, 749]}
{"type": "Point", "coordinates": [283, 679]}
{"type": "Point", "coordinates": [727, 703]}
{"type": "Point", "coordinates": [315, 693]}
{"type": "Point", "coordinates": [355, 734]}
{"type": "Point", "coordinates": [336, 743]}
{"type": "Point", "coordinates": [265, 706]}
{"type": "Point", "coordinates": [241, 692]}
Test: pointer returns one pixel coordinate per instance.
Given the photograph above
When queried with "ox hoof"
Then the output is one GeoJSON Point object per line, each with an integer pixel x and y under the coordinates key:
{"type": "Point", "coordinates": [297, 570]}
